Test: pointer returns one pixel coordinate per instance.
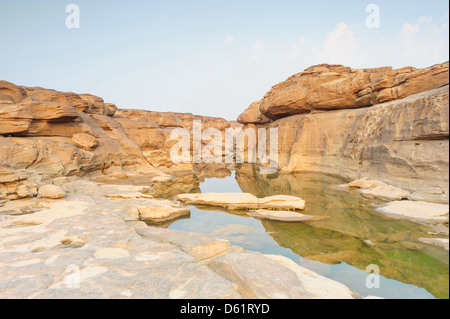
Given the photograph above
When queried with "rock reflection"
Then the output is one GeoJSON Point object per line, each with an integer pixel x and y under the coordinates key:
{"type": "Point", "coordinates": [353, 233]}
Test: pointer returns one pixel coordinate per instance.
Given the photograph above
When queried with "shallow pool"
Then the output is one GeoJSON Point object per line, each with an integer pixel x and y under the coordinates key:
{"type": "Point", "coordinates": [341, 246]}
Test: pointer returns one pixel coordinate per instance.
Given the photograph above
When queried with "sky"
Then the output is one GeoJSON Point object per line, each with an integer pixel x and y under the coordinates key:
{"type": "Point", "coordinates": [208, 57]}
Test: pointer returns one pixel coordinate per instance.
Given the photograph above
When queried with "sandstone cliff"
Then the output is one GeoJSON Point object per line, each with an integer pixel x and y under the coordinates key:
{"type": "Point", "coordinates": [388, 125]}
{"type": "Point", "coordinates": [331, 87]}
{"type": "Point", "coordinates": [61, 134]}
{"type": "Point", "coordinates": [396, 132]}
{"type": "Point", "coordinates": [151, 132]}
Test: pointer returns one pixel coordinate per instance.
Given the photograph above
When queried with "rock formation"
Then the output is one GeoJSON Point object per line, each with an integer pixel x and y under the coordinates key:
{"type": "Point", "coordinates": [243, 201]}
{"type": "Point", "coordinates": [253, 115]}
{"type": "Point", "coordinates": [65, 134]}
{"type": "Point", "coordinates": [390, 126]}
{"type": "Point", "coordinates": [94, 233]}
{"type": "Point", "coordinates": [419, 211]}
{"type": "Point", "coordinates": [376, 189]}
{"type": "Point", "coordinates": [61, 134]}
{"type": "Point", "coordinates": [332, 87]}
{"type": "Point", "coordinates": [151, 133]}
{"type": "Point", "coordinates": [387, 125]}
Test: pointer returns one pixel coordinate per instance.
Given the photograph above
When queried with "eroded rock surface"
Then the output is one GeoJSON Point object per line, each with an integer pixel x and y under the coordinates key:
{"type": "Point", "coordinates": [403, 143]}
{"type": "Point", "coordinates": [243, 201]}
{"type": "Point", "coordinates": [376, 189]}
{"type": "Point", "coordinates": [389, 125]}
{"type": "Point", "coordinates": [51, 192]}
{"type": "Point", "coordinates": [90, 247]}
{"type": "Point", "coordinates": [332, 87]}
{"type": "Point", "coordinates": [66, 134]}
{"type": "Point", "coordinates": [253, 115]}
{"type": "Point", "coordinates": [418, 211]}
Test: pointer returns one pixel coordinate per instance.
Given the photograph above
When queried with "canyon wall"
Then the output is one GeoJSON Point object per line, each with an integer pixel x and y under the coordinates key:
{"type": "Point", "coordinates": [400, 135]}
{"type": "Point", "coordinates": [390, 125]}
{"type": "Point", "coordinates": [62, 134]}
{"type": "Point", "coordinates": [151, 132]}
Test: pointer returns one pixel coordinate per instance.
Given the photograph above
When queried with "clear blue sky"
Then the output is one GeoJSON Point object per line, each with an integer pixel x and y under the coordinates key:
{"type": "Point", "coordinates": [207, 57]}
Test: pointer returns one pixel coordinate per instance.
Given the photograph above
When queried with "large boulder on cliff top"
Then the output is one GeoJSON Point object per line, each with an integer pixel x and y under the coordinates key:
{"type": "Point", "coordinates": [253, 115]}
{"type": "Point", "coordinates": [330, 87]}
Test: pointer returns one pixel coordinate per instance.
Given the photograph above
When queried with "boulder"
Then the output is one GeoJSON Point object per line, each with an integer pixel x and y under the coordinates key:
{"type": "Point", "coordinates": [85, 141]}
{"type": "Point", "coordinates": [161, 211]}
{"type": "Point", "coordinates": [417, 211]}
{"type": "Point", "coordinates": [377, 189]}
{"type": "Point", "coordinates": [51, 192]}
{"type": "Point", "coordinates": [70, 99]}
{"type": "Point", "coordinates": [331, 87]}
{"type": "Point", "coordinates": [253, 115]}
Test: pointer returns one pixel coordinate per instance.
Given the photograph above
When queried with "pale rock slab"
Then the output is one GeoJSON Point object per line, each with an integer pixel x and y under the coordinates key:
{"type": "Point", "coordinates": [51, 192]}
{"type": "Point", "coordinates": [199, 246]}
{"type": "Point", "coordinates": [162, 210]}
{"type": "Point", "coordinates": [243, 201]}
{"type": "Point", "coordinates": [377, 189]}
{"type": "Point", "coordinates": [417, 211]}
{"type": "Point", "coordinates": [318, 286]}
{"type": "Point", "coordinates": [244, 269]}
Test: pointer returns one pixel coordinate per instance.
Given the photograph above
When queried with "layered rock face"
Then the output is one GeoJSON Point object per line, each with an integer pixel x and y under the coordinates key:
{"type": "Point", "coordinates": [332, 87]}
{"type": "Point", "coordinates": [403, 143]}
{"type": "Point", "coordinates": [63, 134]}
{"type": "Point", "coordinates": [384, 124]}
{"type": "Point", "coordinates": [151, 132]}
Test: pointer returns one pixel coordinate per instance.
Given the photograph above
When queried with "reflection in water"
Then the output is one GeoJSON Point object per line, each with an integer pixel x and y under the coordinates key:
{"type": "Point", "coordinates": [340, 246]}
{"type": "Point", "coordinates": [354, 233]}
{"type": "Point", "coordinates": [166, 223]}
{"type": "Point", "coordinates": [181, 185]}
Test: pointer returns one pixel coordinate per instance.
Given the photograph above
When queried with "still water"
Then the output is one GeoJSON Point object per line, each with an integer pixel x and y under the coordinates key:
{"type": "Point", "coordinates": [351, 237]}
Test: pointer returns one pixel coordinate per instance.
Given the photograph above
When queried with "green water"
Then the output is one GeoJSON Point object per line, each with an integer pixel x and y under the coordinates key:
{"type": "Point", "coordinates": [350, 237]}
